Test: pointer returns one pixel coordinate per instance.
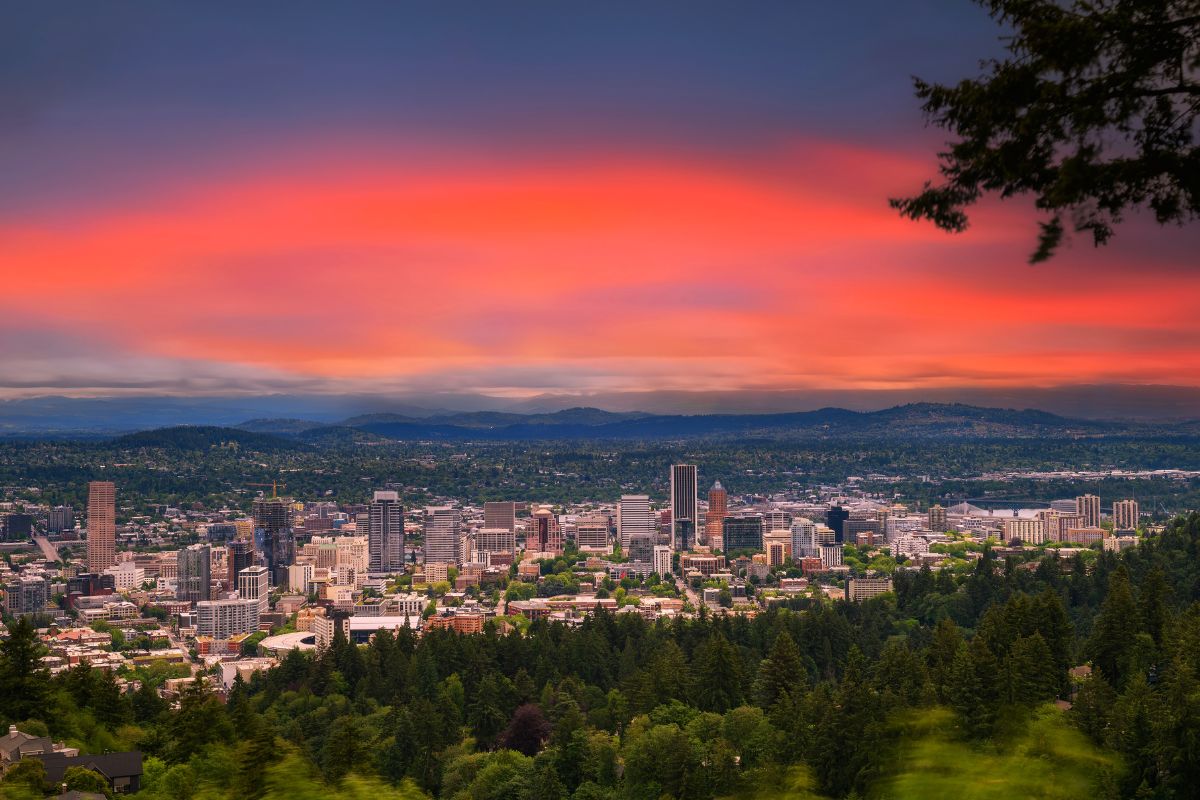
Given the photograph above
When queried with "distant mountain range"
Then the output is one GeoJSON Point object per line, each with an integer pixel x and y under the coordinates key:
{"type": "Point", "coordinates": [627, 414]}
{"type": "Point", "coordinates": [918, 420]}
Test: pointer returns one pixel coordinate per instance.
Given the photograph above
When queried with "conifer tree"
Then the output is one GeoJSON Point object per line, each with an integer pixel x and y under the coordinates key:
{"type": "Point", "coordinates": [1113, 637]}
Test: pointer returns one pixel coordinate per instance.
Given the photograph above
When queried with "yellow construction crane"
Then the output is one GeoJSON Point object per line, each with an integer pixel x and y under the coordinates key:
{"type": "Point", "coordinates": [274, 487]}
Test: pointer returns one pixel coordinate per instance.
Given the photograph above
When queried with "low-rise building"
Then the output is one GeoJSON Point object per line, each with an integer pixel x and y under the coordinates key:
{"type": "Point", "coordinates": [859, 589]}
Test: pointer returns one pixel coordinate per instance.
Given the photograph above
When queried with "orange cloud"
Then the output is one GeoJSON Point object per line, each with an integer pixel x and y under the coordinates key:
{"type": "Point", "coordinates": [782, 271]}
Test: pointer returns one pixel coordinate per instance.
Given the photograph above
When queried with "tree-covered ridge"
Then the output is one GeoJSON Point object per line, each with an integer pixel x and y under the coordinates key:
{"type": "Point", "coordinates": [948, 682]}
{"type": "Point", "coordinates": [562, 472]}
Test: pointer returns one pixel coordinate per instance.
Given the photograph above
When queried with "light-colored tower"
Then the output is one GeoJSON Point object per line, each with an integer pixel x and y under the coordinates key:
{"type": "Point", "coordinates": [385, 538]}
{"type": "Point", "coordinates": [634, 518]}
{"type": "Point", "coordinates": [718, 507]}
{"type": "Point", "coordinates": [1126, 515]}
{"type": "Point", "coordinates": [1088, 507]}
{"type": "Point", "coordinates": [443, 529]}
{"type": "Point", "coordinates": [102, 526]}
{"type": "Point", "coordinates": [684, 506]}
{"type": "Point", "coordinates": [804, 538]}
{"type": "Point", "coordinates": [255, 584]}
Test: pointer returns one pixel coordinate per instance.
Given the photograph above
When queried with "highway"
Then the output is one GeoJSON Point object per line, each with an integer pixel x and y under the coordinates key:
{"type": "Point", "coordinates": [47, 547]}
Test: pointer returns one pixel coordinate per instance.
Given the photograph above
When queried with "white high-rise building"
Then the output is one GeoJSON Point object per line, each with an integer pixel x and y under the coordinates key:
{"type": "Point", "coordinates": [385, 537]}
{"type": "Point", "coordinates": [662, 560]}
{"type": "Point", "coordinates": [443, 529]}
{"type": "Point", "coordinates": [300, 577]}
{"type": "Point", "coordinates": [804, 538]}
{"type": "Point", "coordinates": [634, 518]}
{"type": "Point", "coordinates": [254, 583]}
{"type": "Point", "coordinates": [221, 619]}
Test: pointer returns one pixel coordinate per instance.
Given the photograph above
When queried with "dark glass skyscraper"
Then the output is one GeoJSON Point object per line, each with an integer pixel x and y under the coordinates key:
{"type": "Point", "coordinates": [743, 532]}
{"type": "Point", "coordinates": [240, 556]}
{"type": "Point", "coordinates": [684, 506]}
{"type": "Point", "coordinates": [835, 518]}
{"type": "Point", "coordinates": [273, 530]}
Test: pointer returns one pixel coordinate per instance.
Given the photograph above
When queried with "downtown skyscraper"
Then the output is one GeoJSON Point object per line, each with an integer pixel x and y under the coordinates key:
{"type": "Point", "coordinates": [193, 573]}
{"type": "Point", "coordinates": [273, 535]}
{"type": "Point", "coordinates": [101, 526]}
{"type": "Point", "coordinates": [718, 507]}
{"type": "Point", "coordinates": [684, 506]}
{"type": "Point", "coordinates": [385, 534]}
{"type": "Point", "coordinates": [634, 518]}
{"type": "Point", "coordinates": [443, 529]}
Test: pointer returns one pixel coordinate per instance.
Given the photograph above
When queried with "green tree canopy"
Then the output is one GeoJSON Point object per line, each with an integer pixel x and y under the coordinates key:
{"type": "Point", "coordinates": [1092, 112]}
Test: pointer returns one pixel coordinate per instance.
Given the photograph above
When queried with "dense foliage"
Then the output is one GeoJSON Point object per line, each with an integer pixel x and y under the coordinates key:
{"type": "Point", "coordinates": [927, 470]}
{"type": "Point", "coordinates": [947, 680]}
{"type": "Point", "coordinates": [1093, 112]}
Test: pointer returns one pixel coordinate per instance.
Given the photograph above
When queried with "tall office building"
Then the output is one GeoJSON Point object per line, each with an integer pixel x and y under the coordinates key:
{"type": "Point", "coordinates": [385, 537]}
{"type": "Point", "coordinates": [743, 532]}
{"type": "Point", "coordinates": [777, 521]}
{"type": "Point", "coordinates": [718, 507]}
{"type": "Point", "coordinates": [1088, 507]}
{"type": "Point", "coordinates": [61, 518]}
{"type": "Point", "coordinates": [500, 514]}
{"type": "Point", "coordinates": [222, 619]}
{"type": "Point", "coordinates": [273, 534]}
{"type": "Point", "coordinates": [591, 534]}
{"type": "Point", "coordinates": [221, 533]}
{"type": "Point", "coordinates": [16, 526]}
{"type": "Point", "coordinates": [937, 519]}
{"type": "Point", "coordinates": [255, 584]}
{"type": "Point", "coordinates": [193, 573]}
{"type": "Point", "coordinates": [804, 538]}
{"type": "Point", "coordinates": [835, 518]}
{"type": "Point", "coordinates": [1126, 515]}
{"type": "Point", "coordinates": [495, 540]}
{"type": "Point", "coordinates": [27, 595]}
{"type": "Point", "coordinates": [634, 518]}
{"type": "Point", "coordinates": [544, 534]}
{"type": "Point", "coordinates": [239, 555]}
{"type": "Point", "coordinates": [641, 548]}
{"type": "Point", "coordinates": [684, 506]}
{"type": "Point", "coordinates": [443, 529]}
{"type": "Point", "coordinates": [662, 560]}
{"type": "Point", "coordinates": [102, 526]}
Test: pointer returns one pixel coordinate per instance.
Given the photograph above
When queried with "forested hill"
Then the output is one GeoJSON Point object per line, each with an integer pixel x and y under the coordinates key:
{"type": "Point", "coordinates": [946, 686]}
{"type": "Point", "coordinates": [203, 437]}
{"type": "Point", "coordinates": [925, 420]}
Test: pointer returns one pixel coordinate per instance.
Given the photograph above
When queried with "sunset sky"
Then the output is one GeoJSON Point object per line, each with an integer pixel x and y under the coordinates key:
{"type": "Point", "coordinates": [513, 198]}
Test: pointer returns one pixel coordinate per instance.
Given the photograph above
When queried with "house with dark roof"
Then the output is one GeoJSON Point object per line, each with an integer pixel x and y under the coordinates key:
{"type": "Point", "coordinates": [15, 745]}
{"type": "Point", "coordinates": [122, 770]}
